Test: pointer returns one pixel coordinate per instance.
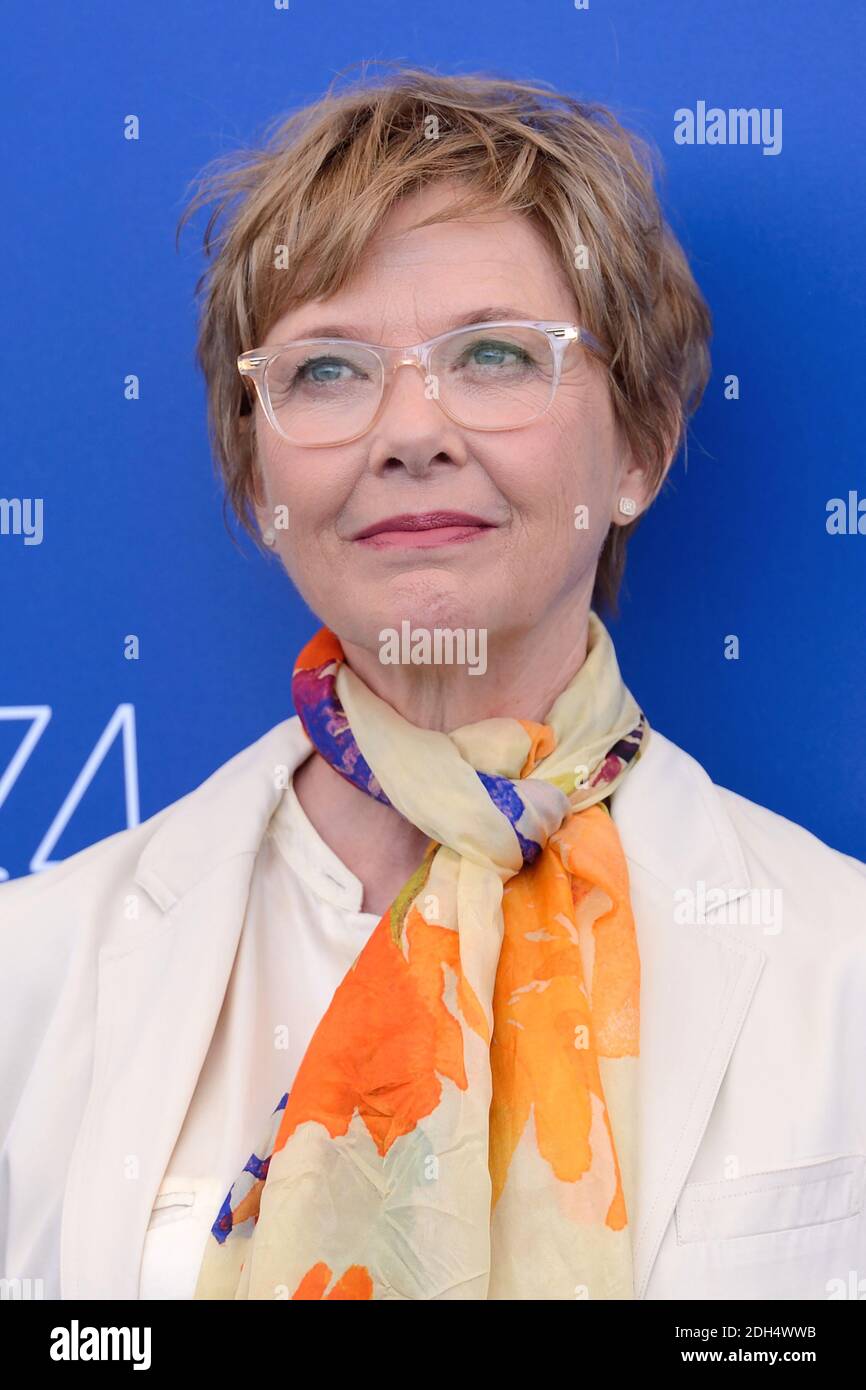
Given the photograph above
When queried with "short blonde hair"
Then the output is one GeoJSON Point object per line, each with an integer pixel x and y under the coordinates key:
{"type": "Point", "coordinates": [323, 181]}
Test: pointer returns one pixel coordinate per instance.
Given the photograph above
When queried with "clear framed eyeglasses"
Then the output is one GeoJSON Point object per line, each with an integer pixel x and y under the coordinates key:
{"type": "Point", "coordinates": [317, 392]}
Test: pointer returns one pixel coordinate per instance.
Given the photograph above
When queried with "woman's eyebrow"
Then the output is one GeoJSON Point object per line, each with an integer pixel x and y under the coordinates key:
{"type": "Point", "coordinates": [488, 313]}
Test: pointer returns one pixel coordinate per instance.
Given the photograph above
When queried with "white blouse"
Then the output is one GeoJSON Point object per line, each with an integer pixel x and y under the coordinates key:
{"type": "Point", "coordinates": [302, 930]}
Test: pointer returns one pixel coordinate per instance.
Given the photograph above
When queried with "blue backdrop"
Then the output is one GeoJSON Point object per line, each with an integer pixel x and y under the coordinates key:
{"type": "Point", "coordinates": [132, 534]}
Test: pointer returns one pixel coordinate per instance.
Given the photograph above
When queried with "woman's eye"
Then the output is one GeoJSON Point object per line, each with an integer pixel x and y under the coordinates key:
{"type": "Point", "coordinates": [496, 354]}
{"type": "Point", "coordinates": [324, 371]}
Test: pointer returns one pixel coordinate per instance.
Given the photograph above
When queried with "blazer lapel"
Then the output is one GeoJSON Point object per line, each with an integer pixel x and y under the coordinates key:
{"type": "Point", "coordinates": [697, 978]}
{"type": "Point", "coordinates": [159, 999]}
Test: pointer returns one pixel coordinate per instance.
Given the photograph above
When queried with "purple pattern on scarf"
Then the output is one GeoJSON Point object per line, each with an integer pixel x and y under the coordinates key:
{"type": "Point", "coordinates": [324, 719]}
{"type": "Point", "coordinates": [314, 691]}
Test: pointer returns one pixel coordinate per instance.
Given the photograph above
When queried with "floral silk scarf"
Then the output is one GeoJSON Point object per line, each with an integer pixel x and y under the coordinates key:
{"type": "Point", "coordinates": [462, 1123]}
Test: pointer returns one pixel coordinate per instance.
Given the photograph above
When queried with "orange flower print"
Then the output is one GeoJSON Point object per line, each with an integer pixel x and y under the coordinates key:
{"type": "Point", "coordinates": [547, 1035]}
{"type": "Point", "coordinates": [354, 1284]}
{"type": "Point", "coordinates": [387, 1039]}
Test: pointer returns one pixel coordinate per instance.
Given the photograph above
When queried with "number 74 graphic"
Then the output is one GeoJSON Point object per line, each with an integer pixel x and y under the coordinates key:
{"type": "Point", "coordinates": [122, 721]}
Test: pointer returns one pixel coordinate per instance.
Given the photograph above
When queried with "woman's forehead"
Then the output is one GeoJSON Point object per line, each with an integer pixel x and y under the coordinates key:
{"type": "Point", "coordinates": [438, 277]}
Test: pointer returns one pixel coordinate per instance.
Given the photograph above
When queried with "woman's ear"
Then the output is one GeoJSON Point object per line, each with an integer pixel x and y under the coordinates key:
{"type": "Point", "coordinates": [634, 492]}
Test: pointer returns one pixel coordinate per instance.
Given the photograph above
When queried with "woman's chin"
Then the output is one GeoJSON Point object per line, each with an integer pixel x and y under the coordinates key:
{"type": "Point", "coordinates": [395, 631]}
{"type": "Point", "coordinates": [430, 600]}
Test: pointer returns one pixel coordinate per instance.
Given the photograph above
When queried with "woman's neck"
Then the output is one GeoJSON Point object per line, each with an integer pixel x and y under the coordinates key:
{"type": "Point", "coordinates": [374, 841]}
{"type": "Point", "coordinates": [521, 678]}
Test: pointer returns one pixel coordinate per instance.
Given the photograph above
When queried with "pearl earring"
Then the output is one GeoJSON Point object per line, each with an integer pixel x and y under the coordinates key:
{"type": "Point", "coordinates": [269, 536]}
{"type": "Point", "coordinates": [627, 506]}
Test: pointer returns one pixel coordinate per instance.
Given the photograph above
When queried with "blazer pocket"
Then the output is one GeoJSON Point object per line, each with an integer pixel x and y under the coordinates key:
{"type": "Point", "coordinates": [783, 1199]}
{"type": "Point", "coordinates": [170, 1206]}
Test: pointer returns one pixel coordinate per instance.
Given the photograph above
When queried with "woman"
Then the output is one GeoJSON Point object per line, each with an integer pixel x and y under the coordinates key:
{"type": "Point", "coordinates": [461, 983]}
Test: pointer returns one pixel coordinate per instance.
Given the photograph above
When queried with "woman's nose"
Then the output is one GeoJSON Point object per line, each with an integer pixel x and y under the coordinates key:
{"type": "Point", "coordinates": [412, 428]}
{"type": "Point", "coordinates": [402, 391]}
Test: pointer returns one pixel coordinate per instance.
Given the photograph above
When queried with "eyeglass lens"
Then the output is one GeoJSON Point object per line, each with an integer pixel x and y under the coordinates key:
{"type": "Point", "coordinates": [484, 378]}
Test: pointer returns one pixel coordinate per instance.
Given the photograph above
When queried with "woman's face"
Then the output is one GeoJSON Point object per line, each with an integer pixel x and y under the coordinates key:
{"type": "Point", "coordinates": [531, 565]}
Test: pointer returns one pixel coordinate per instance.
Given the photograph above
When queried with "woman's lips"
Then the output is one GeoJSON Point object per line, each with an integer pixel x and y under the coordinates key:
{"type": "Point", "coordinates": [425, 539]}
{"type": "Point", "coordinates": [423, 530]}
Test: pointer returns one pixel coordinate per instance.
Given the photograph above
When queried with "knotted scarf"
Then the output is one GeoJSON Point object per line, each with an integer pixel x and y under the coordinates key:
{"type": "Point", "coordinates": [461, 1125]}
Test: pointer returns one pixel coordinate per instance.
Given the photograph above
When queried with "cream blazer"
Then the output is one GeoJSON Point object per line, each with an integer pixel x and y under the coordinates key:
{"type": "Point", "coordinates": [751, 1153]}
